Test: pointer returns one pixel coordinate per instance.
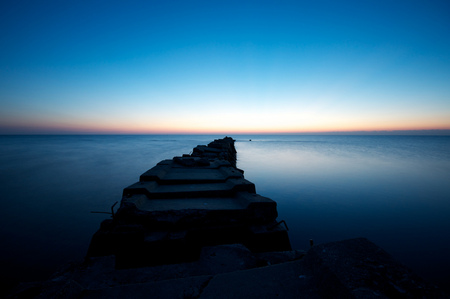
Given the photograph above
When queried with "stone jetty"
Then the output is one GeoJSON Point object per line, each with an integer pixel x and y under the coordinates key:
{"type": "Point", "coordinates": [194, 227]}
{"type": "Point", "coordinates": [186, 203]}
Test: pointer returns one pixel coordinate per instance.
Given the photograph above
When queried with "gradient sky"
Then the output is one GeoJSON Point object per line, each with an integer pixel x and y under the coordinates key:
{"type": "Point", "coordinates": [223, 66]}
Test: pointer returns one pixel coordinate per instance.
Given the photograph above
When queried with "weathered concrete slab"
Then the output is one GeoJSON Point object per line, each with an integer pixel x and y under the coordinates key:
{"type": "Point", "coordinates": [240, 200]}
{"type": "Point", "coordinates": [154, 190]}
{"type": "Point", "coordinates": [158, 171]}
{"type": "Point", "coordinates": [176, 204]}
{"type": "Point", "coordinates": [200, 162]}
{"type": "Point", "coordinates": [192, 161]}
{"type": "Point", "coordinates": [287, 280]}
{"type": "Point", "coordinates": [197, 176]}
{"type": "Point", "coordinates": [173, 173]}
{"type": "Point", "coordinates": [207, 149]}
{"type": "Point", "coordinates": [243, 207]}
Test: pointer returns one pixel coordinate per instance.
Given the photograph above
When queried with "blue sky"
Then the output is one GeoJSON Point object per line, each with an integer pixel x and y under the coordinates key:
{"type": "Point", "coordinates": [224, 66]}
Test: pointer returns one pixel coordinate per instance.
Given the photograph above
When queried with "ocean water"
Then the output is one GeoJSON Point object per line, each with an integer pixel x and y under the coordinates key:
{"type": "Point", "coordinates": [394, 190]}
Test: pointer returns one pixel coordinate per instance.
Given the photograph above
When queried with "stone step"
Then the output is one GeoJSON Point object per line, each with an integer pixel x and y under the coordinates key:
{"type": "Point", "coordinates": [154, 190]}
{"type": "Point", "coordinates": [172, 173]}
{"type": "Point", "coordinates": [244, 207]}
{"type": "Point", "coordinates": [143, 203]}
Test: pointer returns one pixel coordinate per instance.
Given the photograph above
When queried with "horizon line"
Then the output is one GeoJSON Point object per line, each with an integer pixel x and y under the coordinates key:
{"type": "Point", "coordinates": [437, 132]}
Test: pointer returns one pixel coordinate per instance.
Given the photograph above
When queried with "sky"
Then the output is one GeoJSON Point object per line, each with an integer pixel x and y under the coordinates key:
{"type": "Point", "coordinates": [162, 67]}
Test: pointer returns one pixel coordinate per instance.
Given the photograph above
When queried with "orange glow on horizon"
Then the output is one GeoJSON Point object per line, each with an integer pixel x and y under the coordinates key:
{"type": "Point", "coordinates": [223, 125]}
{"type": "Point", "coordinates": [74, 129]}
{"type": "Point", "coordinates": [143, 131]}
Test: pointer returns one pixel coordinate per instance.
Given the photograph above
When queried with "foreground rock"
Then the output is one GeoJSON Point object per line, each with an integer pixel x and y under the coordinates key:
{"type": "Point", "coordinates": [353, 268]}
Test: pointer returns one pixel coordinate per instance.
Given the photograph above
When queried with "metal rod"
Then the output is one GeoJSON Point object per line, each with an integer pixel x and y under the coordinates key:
{"type": "Point", "coordinates": [278, 223]}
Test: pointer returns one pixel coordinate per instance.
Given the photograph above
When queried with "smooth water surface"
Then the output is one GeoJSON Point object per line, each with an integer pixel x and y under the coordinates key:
{"type": "Point", "coordinates": [394, 190]}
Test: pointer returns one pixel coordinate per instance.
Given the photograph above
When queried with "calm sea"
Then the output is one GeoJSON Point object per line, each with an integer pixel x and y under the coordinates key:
{"type": "Point", "coordinates": [394, 190]}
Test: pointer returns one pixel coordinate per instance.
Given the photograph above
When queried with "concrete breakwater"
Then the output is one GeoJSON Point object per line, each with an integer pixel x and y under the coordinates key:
{"type": "Point", "coordinates": [183, 204]}
{"type": "Point", "coordinates": [194, 227]}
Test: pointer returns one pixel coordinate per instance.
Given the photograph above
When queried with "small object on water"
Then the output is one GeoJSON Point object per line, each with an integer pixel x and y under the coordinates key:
{"type": "Point", "coordinates": [249, 140]}
{"type": "Point", "coordinates": [311, 242]}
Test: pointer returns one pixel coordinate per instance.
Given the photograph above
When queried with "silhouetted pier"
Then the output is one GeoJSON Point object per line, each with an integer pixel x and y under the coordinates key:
{"type": "Point", "coordinates": [185, 203]}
